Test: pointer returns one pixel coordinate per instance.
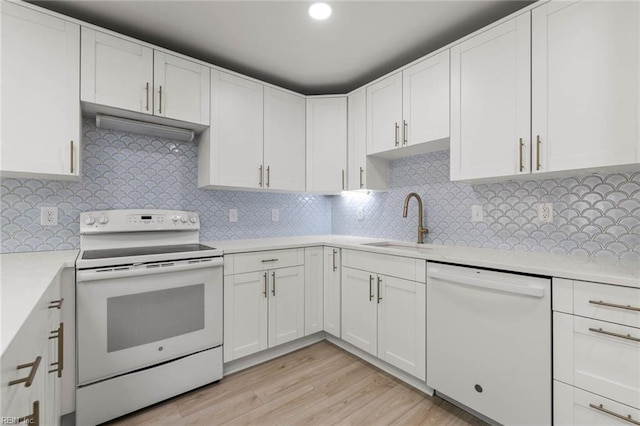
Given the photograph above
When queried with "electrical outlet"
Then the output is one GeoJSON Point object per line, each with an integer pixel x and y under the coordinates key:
{"type": "Point", "coordinates": [545, 212]}
{"type": "Point", "coordinates": [477, 215]}
{"type": "Point", "coordinates": [360, 213]}
{"type": "Point", "coordinates": [275, 215]}
{"type": "Point", "coordinates": [48, 216]}
{"type": "Point", "coordinates": [233, 215]}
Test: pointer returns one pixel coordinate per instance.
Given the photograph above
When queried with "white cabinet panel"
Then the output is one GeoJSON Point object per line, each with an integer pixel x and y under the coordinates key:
{"type": "Point", "coordinates": [284, 140]}
{"type": "Point", "coordinates": [313, 290]}
{"type": "Point", "coordinates": [491, 102]}
{"type": "Point", "coordinates": [585, 84]}
{"type": "Point", "coordinates": [326, 145]}
{"type": "Point", "coordinates": [262, 260]}
{"type": "Point", "coordinates": [359, 310]}
{"type": "Point", "coordinates": [332, 290]}
{"type": "Point", "coordinates": [607, 303]}
{"type": "Point", "coordinates": [384, 114]}
{"type": "Point", "coordinates": [181, 89]}
{"type": "Point", "coordinates": [286, 305]}
{"type": "Point", "coordinates": [40, 81]}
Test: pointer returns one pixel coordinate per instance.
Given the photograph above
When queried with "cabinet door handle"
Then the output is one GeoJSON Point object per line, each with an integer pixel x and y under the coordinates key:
{"type": "Point", "coordinates": [273, 278]}
{"type": "Point", "coordinates": [521, 159]}
{"type": "Point", "coordinates": [160, 103]}
{"type": "Point", "coordinates": [379, 295]}
{"type": "Point", "coordinates": [269, 260]}
{"type": "Point", "coordinates": [56, 304]}
{"type": "Point", "coordinates": [32, 373]}
{"type": "Point", "coordinates": [264, 277]}
{"type": "Point", "coordinates": [405, 131]}
{"type": "Point", "coordinates": [32, 419]}
{"type": "Point", "coordinates": [268, 176]}
{"type": "Point", "coordinates": [538, 142]}
{"type": "Point", "coordinates": [611, 333]}
{"type": "Point", "coordinates": [627, 418]}
{"type": "Point", "coordinates": [71, 157]}
{"type": "Point", "coordinates": [361, 182]}
{"type": "Point", "coordinates": [370, 288]}
{"type": "Point", "coordinates": [397, 131]}
{"type": "Point", "coordinates": [335, 267]}
{"type": "Point", "coordinates": [59, 335]}
{"type": "Point", "coordinates": [147, 91]}
{"type": "Point", "coordinates": [613, 305]}
{"type": "Point", "coordinates": [260, 176]}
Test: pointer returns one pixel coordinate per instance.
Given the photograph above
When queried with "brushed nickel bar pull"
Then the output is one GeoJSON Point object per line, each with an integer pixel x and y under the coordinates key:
{"type": "Point", "coordinates": [521, 159]}
{"type": "Point", "coordinates": [56, 304]}
{"type": "Point", "coordinates": [268, 176]}
{"type": "Point", "coordinates": [160, 106]}
{"type": "Point", "coordinates": [343, 179]}
{"type": "Point", "coordinates": [335, 267]}
{"type": "Point", "coordinates": [610, 333]}
{"type": "Point", "coordinates": [260, 174]}
{"type": "Point", "coordinates": [273, 278]}
{"type": "Point", "coordinates": [32, 419]}
{"type": "Point", "coordinates": [626, 418]}
{"type": "Point", "coordinates": [379, 296]}
{"type": "Point", "coordinates": [71, 157]}
{"type": "Point", "coordinates": [32, 374]}
{"type": "Point", "coordinates": [405, 130]}
{"type": "Point", "coordinates": [613, 305]}
{"type": "Point", "coordinates": [269, 260]}
{"type": "Point", "coordinates": [58, 334]}
{"type": "Point", "coordinates": [361, 182]}
{"type": "Point", "coordinates": [538, 142]}
{"type": "Point", "coordinates": [147, 89]}
{"type": "Point", "coordinates": [370, 288]}
{"type": "Point", "coordinates": [397, 129]}
{"type": "Point", "coordinates": [264, 276]}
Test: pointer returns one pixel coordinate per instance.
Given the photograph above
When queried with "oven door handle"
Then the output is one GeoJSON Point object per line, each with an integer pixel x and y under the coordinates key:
{"type": "Point", "coordinates": [137, 271]}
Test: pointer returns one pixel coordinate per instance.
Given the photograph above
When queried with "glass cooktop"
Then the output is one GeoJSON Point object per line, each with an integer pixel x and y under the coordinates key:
{"type": "Point", "coordinates": [143, 251]}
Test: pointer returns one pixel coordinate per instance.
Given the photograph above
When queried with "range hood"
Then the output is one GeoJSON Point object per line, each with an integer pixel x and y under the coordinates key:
{"type": "Point", "coordinates": [128, 125]}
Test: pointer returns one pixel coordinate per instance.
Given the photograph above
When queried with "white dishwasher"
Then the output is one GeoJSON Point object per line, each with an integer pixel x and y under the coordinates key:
{"type": "Point", "coordinates": [489, 342]}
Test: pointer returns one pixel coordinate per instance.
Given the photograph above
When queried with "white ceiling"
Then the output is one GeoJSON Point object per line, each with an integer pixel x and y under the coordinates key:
{"type": "Point", "coordinates": [277, 41]}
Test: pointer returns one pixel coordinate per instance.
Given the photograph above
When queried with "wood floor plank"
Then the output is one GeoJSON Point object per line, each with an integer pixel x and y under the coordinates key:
{"type": "Point", "coordinates": [160, 414]}
{"type": "Point", "coordinates": [222, 410]}
{"type": "Point", "coordinates": [387, 408]}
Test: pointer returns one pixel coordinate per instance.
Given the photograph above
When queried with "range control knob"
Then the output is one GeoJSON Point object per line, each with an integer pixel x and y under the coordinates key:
{"type": "Point", "coordinates": [183, 219]}
{"type": "Point", "coordinates": [103, 219]}
{"type": "Point", "coordinates": [193, 219]}
{"type": "Point", "coordinates": [89, 220]}
{"type": "Point", "coordinates": [174, 218]}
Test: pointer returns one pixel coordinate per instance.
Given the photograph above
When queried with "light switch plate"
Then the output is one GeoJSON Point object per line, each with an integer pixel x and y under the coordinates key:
{"type": "Point", "coordinates": [233, 215]}
{"type": "Point", "coordinates": [48, 216]}
{"type": "Point", "coordinates": [275, 215]}
{"type": "Point", "coordinates": [360, 213]}
{"type": "Point", "coordinates": [477, 215]}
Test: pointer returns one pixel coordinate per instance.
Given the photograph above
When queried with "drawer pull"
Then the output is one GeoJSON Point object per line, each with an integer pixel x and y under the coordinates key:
{"type": "Point", "coordinates": [269, 260]}
{"type": "Point", "coordinates": [370, 288]}
{"type": "Point", "coordinates": [627, 418]}
{"type": "Point", "coordinates": [613, 305]}
{"type": "Point", "coordinates": [32, 374]}
{"type": "Point", "coordinates": [379, 294]}
{"type": "Point", "coordinates": [32, 419]}
{"type": "Point", "coordinates": [273, 279]}
{"type": "Point", "coordinates": [610, 333]}
{"type": "Point", "coordinates": [264, 277]}
{"type": "Point", "coordinates": [56, 304]}
{"type": "Point", "coordinates": [335, 267]}
{"type": "Point", "coordinates": [59, 365]}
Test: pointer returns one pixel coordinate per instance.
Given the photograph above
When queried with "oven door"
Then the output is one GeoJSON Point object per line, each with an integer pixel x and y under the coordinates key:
{"type": "Point", "coordinates": [129, 318]}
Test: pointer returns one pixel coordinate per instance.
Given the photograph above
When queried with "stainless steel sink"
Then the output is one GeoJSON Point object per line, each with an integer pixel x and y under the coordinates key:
{"type": "Point", "coordinates": [399, 246]}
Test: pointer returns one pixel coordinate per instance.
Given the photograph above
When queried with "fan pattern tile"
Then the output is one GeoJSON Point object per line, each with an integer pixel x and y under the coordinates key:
{"type": "Point", "coordinates": [594, 215]}
{"type": "Point", "coordinates": [125, 170]}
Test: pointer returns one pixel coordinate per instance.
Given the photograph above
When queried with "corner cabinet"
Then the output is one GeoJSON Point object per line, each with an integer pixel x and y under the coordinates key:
{"type": "Point", "coordinates": [129, 76]}
{"type": "Point", "coordinates": [40, 81]}
{"type": "Point", "coordinates": [327, 145]}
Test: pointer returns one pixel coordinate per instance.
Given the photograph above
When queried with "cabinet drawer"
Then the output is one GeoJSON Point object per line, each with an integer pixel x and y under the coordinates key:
{"type": "Point", "coordinates": [384, 264]}
{"type": "Point", "coordinates": [607, 302]}
{"type": "Point", "coordinates": [262, 260]}
{"type": "Point", "coordinates": [573, 406]}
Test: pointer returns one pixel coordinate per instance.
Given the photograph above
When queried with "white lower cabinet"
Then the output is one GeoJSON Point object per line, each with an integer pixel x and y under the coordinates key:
{"type": "Point", "coordinates": [359, 310]}
{"type": "Point", "coordinates": [265, 307]}
{"type": "Point", "coordinates": [313, 290]}
{"type": "Point", "coordinates": [331, 289]}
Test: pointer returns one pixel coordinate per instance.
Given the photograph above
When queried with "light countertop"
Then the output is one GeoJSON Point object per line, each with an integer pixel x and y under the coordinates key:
{"type": "Point", "coordinates": [24, 278]}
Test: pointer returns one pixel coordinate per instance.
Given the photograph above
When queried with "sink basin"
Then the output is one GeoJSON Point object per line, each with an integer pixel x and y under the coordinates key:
{"type": "Point", "coordinates": [399, 246]}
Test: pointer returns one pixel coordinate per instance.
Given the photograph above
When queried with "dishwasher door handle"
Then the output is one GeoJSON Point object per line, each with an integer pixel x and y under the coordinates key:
{"type": "Point", "coordinates": [524, 290]}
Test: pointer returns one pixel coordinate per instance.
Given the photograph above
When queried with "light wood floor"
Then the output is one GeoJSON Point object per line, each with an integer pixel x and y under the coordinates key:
{"type": "Point", "coordinates": [317, 385]}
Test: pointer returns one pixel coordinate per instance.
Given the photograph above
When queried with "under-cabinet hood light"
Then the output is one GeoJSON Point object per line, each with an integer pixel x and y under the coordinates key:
{"type": "Point", "coordinates": [320, 11]}
{"type": "Point", "coordinates": [127, 125]}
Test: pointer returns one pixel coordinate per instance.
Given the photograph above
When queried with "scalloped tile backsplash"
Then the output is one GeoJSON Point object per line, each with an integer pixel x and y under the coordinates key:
{"type": "Point", "coordinates": [594, 215]}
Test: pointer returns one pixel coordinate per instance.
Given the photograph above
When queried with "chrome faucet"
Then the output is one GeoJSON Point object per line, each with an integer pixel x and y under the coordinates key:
{"type": "Point", "coordinates": [421, 230]}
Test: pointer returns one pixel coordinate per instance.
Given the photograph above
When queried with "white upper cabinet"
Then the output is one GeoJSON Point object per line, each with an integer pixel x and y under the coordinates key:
{"type": "Point", "coordinates": [123, 74]}
{"type": "Point", "coordinates": [585, 85]}
{"type": "Point", "coordinates": [410, 109]}
{"type": "Point", "coordinates": [284, 140]}
{"type": "Point", "coordinates": [490, 102]}
{"type": "Point", "coordinates": [326, 144]}
{"type": "Point", "coordinates": [230, 155]}
{"type": "Point", "coordinates": [40, 81]}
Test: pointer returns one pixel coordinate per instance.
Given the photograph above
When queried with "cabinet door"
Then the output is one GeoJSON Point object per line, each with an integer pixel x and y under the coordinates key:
{"type": "Point", "coordinates": [54, 353]}
{"type": "Point", "coordinates": [313, 289]}
{"type": "Point", "coordinates": [40, 75]}
{"type": "Point", "coordinates": [245, 314]}
{"type": "Point", "coordinates": [286, 305]}
{"type": "Point", "coordinates": [332, 302]}
{"type": "Point", "coordinates": [401, 324]}
{"type": "Point", "coordinates": [359, 309]}
{"type": "Point", "coordinates": [326, 145]}
{"type": "Point", "coordinates": [490, 102]}
{"type": "Point", "coordinates": [181, 89]}
{"type": "Point", "coordinates": [116, 72]}
{"type": "Point", "coordinates": [425, 100]}
{"type": "Point", "coordinates": [284, 140]}
{"type": "Point", "coordinates": [384, 114]}
{"type": "Point", "coordinates": [357, 140]}
{"type": "Point", "coordinates": [235, 157]}
{"type": "Point", "coordinates": [585, 84]}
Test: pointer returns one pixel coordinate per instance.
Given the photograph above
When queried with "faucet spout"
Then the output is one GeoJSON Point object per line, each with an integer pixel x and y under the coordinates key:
{"type": "Point", "coordinates": [421, 230]}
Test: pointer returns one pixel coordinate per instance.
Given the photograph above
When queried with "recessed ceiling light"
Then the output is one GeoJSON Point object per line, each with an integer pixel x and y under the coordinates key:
{"type": "Point", "coordinates": [320, 11]}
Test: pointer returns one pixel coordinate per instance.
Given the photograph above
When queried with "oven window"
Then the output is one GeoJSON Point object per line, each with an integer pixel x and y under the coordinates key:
{"type": "Point", "coordinates": [141, 318]}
